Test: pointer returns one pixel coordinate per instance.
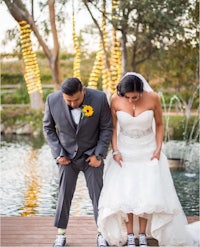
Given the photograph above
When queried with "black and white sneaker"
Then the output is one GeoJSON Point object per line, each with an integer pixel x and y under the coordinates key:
{"type": "Point", "coordinates": [142, 240]}
{"type": "Point", "coordinates": [60, 241]}
{"type": "Point", "coordinates": [101, 242]}
{"type": "Point", "coordinates": [130, 240]}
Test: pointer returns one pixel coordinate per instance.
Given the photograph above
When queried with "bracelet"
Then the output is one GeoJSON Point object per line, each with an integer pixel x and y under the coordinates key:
{"type": "Point", "coordinates": [58, 158]}
{"type": "Point", "coordinates": [116, 152]}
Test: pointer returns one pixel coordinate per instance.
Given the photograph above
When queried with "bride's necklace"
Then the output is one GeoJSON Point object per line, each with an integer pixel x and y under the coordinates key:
{"type": "Point", "coordinates": [134, 109]}
{"type": "Point", "coordinates": [134, 104]}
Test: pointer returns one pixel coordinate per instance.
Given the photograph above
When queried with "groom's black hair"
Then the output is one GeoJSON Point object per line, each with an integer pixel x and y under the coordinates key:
{"type": "Point", "coordinates": [71, 86]}
{"type": "Point", "coordinates": [129, 83]}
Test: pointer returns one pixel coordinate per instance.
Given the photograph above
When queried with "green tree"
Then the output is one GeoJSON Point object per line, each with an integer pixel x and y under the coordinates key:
{"type": "Point", "coordinates": [147, 26]}
{"type": "Point", "coordinates": [179, 64]}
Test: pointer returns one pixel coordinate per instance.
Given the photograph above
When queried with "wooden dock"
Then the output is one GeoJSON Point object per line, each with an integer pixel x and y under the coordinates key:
{"type": "Point", "coordinates": [39, 231]}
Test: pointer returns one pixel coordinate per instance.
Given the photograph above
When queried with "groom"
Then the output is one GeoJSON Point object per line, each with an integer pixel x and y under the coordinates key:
{"type": "Point", "coordinates": [77, 125]}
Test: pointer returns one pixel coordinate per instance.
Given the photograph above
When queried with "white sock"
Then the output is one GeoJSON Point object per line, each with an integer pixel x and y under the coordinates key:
{"type": "Point", "coordinates": [61, 231]}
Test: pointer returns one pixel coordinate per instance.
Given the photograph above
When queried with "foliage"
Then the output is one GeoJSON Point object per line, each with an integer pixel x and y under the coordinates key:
{"type": "Point", "coordinates": [19, 97]}
{"type": "Point", "coordinates": [179, 128]}
{"type": "Point", "coordinates": [146, 26]}
{"type": "Point", "coordinates": [175, 70]}
{"type": "Point", "coordinates": [66, 66]}
{"type": "Point", "coordinates": [158, 71]}
{"type": "Point", "coordinates": [180, 62]}
{"type": "Point", "coordinates": [46, 92]}
{"type": "Point", "coordinates": [11, 78]}
{"type": "Point", "coordinates": [18, 115]}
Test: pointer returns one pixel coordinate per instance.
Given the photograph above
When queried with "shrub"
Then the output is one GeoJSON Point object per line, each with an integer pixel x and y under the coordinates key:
{"type": "Point", "coordinates": [12, 78]}
{"type": "Point", "coordinates": [180, 128]}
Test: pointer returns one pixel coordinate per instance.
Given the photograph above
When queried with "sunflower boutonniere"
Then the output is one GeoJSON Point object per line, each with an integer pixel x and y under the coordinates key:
{"type": "Point", "coordinates": [87, 111]}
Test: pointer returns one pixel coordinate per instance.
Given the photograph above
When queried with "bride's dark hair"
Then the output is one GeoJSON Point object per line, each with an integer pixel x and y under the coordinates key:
{"type": "Point", "coordinates": [129, 83]}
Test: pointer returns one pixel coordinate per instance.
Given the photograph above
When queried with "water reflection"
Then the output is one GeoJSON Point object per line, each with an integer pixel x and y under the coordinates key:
{"type": "Point", "coordinates": [29, 181]}
{"type": "Point", "coordinates": [187, 187]}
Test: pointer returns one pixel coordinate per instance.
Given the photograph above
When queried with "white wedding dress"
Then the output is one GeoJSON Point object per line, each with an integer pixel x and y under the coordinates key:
{"type": "Point", "coordinates": [141, 186]}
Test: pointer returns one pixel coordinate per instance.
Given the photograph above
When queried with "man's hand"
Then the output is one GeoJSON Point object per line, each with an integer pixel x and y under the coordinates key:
{"type": "Point", "coordinates": [63, 161]}
{"type": "Point", "coordinates": [93, 161]}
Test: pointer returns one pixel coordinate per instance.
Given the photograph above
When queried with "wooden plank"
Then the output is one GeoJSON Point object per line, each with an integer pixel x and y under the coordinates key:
{"type": "Point", "coordinates": [39, 231]}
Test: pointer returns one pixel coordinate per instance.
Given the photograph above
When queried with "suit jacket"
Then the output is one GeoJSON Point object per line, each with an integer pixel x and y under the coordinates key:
{"type": "Point", "coordinates": [91, 136]}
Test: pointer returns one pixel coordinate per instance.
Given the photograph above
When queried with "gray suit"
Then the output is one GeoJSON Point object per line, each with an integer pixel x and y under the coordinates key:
{"type": "Point", "coordinates": [91, 136]}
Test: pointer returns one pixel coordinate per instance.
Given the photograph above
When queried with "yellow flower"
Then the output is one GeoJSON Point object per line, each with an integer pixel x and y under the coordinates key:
{"type": "Point", "coordinates": [87, 111]}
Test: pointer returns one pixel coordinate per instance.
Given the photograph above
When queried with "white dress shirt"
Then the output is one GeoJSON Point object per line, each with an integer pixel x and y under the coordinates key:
{"type": "Point", "coordinates": [76, 114]}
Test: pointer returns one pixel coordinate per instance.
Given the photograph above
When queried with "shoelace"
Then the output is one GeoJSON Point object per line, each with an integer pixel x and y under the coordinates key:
{"type": "Point", "coordinates": [131, 240]}
{"type": "Point", "coordinates": [142, 239]}
{"type": "Point", "coordinates": [59, 240]}
{"type": "Point", "coordinates": [101, 241]}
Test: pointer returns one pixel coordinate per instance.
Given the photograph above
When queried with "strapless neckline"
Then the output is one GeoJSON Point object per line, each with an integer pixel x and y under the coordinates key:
{"type": "Point", "coordinates": [141, 113]}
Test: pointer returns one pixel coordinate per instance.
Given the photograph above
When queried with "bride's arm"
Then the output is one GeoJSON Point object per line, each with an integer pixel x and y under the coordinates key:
{"type": "Point", "coordinates": [116, 153]}
{"type": "Point", "coordinates": [114, 136]}
{"type": "Point", "coordinates": [159, 126]}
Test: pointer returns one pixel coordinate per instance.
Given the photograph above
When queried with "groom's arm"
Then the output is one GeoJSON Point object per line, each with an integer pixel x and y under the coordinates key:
{"type": "Point", "coordinates": [50, 133]}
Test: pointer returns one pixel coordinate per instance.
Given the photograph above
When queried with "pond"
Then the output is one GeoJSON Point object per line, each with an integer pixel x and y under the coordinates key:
{"type": "Point", "coordinates": [29, 181]}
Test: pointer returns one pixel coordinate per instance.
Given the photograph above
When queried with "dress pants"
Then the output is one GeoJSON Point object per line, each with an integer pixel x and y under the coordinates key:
{"type": "Point", "coordinates": [67, 183]}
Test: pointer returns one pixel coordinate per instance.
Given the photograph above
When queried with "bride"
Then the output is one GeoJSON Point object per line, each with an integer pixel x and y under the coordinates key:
{"type": "Point", "coordinates": [138, 197]}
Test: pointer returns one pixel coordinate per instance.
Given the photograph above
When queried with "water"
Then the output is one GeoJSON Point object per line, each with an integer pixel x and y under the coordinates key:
{"type": "Point", "coordinates": [29, 182]}
{"type": "Point", "coordinates": [187, 153]}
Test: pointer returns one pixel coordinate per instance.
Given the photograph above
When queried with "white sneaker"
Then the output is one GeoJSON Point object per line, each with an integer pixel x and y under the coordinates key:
{"type": "Point", "coordinates": [142, 240]}
{"type": "Point", "coordinates": [60, 241]}
{"type": "Point", "coordinates": [130, 240]}
{"type": "Point", "coordinates": [101, 242]}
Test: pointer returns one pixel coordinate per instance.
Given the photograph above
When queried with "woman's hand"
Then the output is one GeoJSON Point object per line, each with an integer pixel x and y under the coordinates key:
{"type": "Point", "coordinates": [118, 158]}
{"type": "Point", "coordinates": [156, 155]}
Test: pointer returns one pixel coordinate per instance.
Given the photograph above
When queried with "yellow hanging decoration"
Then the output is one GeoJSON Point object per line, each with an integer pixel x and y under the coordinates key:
{"type": "Point", "coordinates": [96, 71]}
{"type": "Point", "coordinates": [77, 51]}
{"type": "Point", "coordinates": [110, 74]}
{"type": "Point", "coordinates": [115, 63]}
{"type": "Point", "coordinates": [32, 73]}
{"type": "Point", "coordinates": [100, 66]}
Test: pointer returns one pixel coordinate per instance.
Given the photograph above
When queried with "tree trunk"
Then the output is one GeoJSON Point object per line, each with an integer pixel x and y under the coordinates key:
{"type": "Point", "coordinates": [54, 61]}
{"type": "Point", "coordinates": [55, 71]}
{"type": "Point", "coordinates": [124, 53]}
{"type": "Point", "coordinates": [36, 101]}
